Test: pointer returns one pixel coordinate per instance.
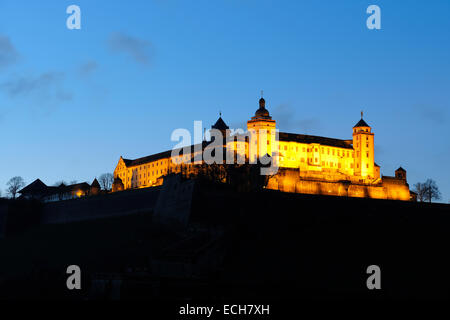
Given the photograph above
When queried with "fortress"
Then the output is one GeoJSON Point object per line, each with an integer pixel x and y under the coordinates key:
{"type": "Point", "coordinates": [306, 164]}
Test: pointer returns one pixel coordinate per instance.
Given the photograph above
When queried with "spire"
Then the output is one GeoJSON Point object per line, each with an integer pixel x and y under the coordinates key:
{"type": "Point", "coordinates": [262, 102]}
{"type": "Point", "coordinates": [362, 114]}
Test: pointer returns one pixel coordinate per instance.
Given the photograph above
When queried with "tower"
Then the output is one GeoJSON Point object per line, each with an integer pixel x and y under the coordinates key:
{"type": "Point", "coordinates": [363, 145]}
{"type": "Point", "coordinates": [261, 128]}
{"type": "Point", "coordinates": [221, 126]}
{"type": "Point", "coordinates": [400, 173]}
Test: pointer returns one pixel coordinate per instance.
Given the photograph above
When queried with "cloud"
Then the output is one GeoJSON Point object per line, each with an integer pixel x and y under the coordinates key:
{"type": "Point", "coordinates": [139, 50]}
{"type": "Point", "coordinates": [8, 53]}
{"type": "Point", "coordinates": [46, 86]}
{"type": "Point", "coordinates": [434, 115]}
{"type": "Point", "coordinates": [431, 114]}
{"type": "Point", "coordinates": [88, 68]}
{"type": "Point", "coordinates": [285, 117]}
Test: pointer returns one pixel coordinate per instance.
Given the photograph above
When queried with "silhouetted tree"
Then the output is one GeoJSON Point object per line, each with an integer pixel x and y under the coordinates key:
{"type": "Point", "coordinates": [419, 188]}
{"type": "Point", "coordinates": [431, 191]}
{"type": "Point", "coordinates": [427, 191]}
{"type": "Point", "coordinates": [14, 185]}
{"type": "Point", "coordinates": [106, 180]}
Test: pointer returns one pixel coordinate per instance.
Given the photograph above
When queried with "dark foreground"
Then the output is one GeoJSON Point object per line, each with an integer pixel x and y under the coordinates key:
{"type": "Point", "coordinates": [261, 246]}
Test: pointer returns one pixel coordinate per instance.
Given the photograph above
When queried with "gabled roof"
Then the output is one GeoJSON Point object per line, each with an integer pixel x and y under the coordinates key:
{"type": "Point", "coordinates": [95, 183]}
{"type": "Point", "coordinates": [35, 187]}
{"type": "Point", "coordinates": [303, 138]}
{"type": "Point", "coordinates": [220, 125]}
{"type": "Point", "coordinates": [401, 169]}
{"type": "Point", "coordinates": [361, 123]}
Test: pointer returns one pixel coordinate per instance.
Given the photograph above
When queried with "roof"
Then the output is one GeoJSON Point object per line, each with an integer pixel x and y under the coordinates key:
{"type": "Point", "coordinates": [38, 188]}
{"type": "Point", "coordinates": [401, 169]}
{"type": "Point", "coordinates": [34, 187]}
{"type": "Point", "coordinates": [220, 125]}
{"type": "Point", "coordinates": [95, 183]}
{"type": "Point", "coordinates": [303, 138]}
{"type": "Point", "coordinates": [361, 123]}
{"type": "Point", "coordinates": [162, 155]}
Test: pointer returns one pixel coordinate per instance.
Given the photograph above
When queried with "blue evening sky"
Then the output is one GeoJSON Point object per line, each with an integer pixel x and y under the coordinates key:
{"type": "Point", "coordinates": [73, 101]}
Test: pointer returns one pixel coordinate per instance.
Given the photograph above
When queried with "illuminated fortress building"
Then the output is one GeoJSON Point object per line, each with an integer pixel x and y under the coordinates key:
{"type": "Point", "coordinates": [306, 163]}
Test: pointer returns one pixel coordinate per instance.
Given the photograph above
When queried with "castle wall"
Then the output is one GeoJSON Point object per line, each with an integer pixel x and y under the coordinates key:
{"type": "Point", "coordinates": [290, 180]}
{"type": "Point", "coordinates": [114, 204]}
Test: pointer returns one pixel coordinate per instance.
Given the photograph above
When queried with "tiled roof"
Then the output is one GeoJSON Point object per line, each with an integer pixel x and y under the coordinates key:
{"type": "Point", "coordinates": [303, 138]}
{"type": "Point", "coordinates": [361, 123]}
{"type": "Point", "coordinates": [34, 187]}
{"type": "Point", "coordinates": [161, 155]}
{"type": "Point", "coordinates": [220, 125]}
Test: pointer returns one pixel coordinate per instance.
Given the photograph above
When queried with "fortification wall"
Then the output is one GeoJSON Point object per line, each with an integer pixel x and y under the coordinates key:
{"type": "Point", "coordinates": [113, 204]}
{"type": "Point", "coordinates": [289, 180]}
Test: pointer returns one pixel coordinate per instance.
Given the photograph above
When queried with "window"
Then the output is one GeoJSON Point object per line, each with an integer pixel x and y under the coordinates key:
{"type": "Point", "coordinates": [367, 154]}
{"type": "Point", "coordinates": [367, 166]}
{"type": "Point", "coordinates": [285, 147]}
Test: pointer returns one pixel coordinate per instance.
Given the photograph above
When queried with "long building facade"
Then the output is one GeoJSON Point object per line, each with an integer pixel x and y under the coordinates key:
{"type": "Point", "coordinates": [306, 163]}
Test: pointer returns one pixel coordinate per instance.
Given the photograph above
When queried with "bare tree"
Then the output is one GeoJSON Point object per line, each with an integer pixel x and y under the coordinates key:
{"type": "Point", "coordinates": [14, 185]}
{"type": "Point", "coordinates": [106, 181]}
{"type": "Point", "coordinates": [59, 183]}
{"type": "Point", "coordinates": [419, 188]}
{"type": "Point", "coordinates": [431, 191]}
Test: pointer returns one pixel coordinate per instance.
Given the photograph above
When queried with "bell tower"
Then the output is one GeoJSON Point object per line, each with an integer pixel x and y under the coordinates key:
{"type": "Point", "coordinates": [363, 146]}
{"type": "Point", "coordinates": [261, 129]}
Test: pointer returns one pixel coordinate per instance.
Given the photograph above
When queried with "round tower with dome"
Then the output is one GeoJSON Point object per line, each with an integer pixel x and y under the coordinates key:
{"type": "Point", "coordinates": [262, 129]}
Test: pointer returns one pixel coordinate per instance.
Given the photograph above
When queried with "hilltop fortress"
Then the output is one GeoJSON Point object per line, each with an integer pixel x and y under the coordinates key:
{"type": "Point", "coordinates": [306, 164]}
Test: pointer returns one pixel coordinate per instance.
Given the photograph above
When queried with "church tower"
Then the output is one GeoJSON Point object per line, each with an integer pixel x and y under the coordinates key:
{"type": "Point", "coordinates": [261, 128]}
{"type": "Point", "coordinates": [363, 145]}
